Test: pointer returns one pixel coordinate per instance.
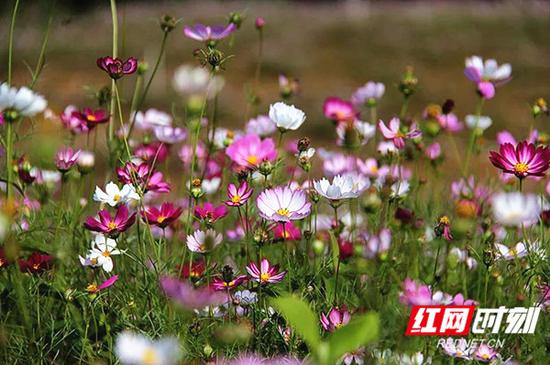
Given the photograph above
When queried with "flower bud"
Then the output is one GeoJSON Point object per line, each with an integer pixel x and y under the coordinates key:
{"type": "Point", "coordinates": [259, 23]}
{"type": "Point", "coordinates": [196, 190]}
{"type": "Point", "coordinates": [303, 144]}
{"type": "Point", "coordinates": [408, 83]}
{"type": "Point", "coordinates": [447, 106]}
{"type": "Point", "coordinates": [142, 68]}
{"type": "Point", "coordinates": [318, 247]}
{"type": "Point", "coordinates": [167, 23]}
{"type": "Point", "coordinates": [85, 162]}
{"type": "Point", "coordinates": [540, 107]}
{"type": "Point", "coordinates": [266, 168]}
{"type": "Point", "coordinates": [236, 18]}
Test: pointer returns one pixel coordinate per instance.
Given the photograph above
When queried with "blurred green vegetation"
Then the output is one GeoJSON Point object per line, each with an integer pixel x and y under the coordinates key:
{"type": "Point", "coordinates": [331, 47]}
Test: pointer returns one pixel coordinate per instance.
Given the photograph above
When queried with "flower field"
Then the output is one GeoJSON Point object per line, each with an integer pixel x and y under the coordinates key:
{"type": "Point", "coordinates": [411, 233]}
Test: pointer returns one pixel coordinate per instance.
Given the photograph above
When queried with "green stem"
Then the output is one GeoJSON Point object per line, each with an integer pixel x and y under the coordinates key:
{"type": "Point", "coordinates": [124, 137]}
{"type": "Point", "coordinates": [113, 82]}
{"type": "Point", "coordinates": [10, 42]}
{"type": "Point", "coordinates": [473, 138]}
{"type": "Point", "coordinates": [404, 108]}
{"type": "Point", "coordinates": [42, 56]}
{"type": "Point", "coordinates": [9, 155]}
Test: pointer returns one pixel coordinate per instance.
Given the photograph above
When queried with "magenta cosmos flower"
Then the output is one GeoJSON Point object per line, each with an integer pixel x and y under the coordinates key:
{"type": "Point", "coordinates": [111, 226]}
{"type": "Point", "coordinates": [144, 176]}
{"type": "Point", "coordinates": [92, 118]}
{"type": "Point", "coordinates": [266, 274]}
{"type": "Point", "coordinates": [250, 151]}
{"type": "Point", "coordinates": [65, 158]}
{"type": "Point", "coordinates": [116, 68]}
{"type": "Point", "coordinates": [487, 75]}
{"type": "Point", "coordinates": [238, 196]}
{"type": "Point", "coordinates": [337, 317]}
{"type": "Point", "coordinates": [396, 133]}
{"type": "Point", "coordinates": [189, 297]}
{"type": "Point", "coordinates": [209, 213]}
{"type": "Point", "coordinates": [283, 204]}
{"type": "Point", "coordinates": [287, 232]}
{"type": "Point", "coordinates": [206, 33]}
{"type": "Point", "coordinates": [523, 160]}
{"type": "Point", "coordinates": [339, 110]}
{"type": "Point", "coordinates": [415, 294]}
{"type": "Point", "coordinates": [162, 217]}
{"type": "Point", "coordinates": [93, 288]}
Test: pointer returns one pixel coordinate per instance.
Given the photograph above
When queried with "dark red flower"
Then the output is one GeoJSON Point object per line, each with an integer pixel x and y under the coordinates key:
{"type": "Point", "coordinates": [36, 263]}
{"type": "Point", "coordinates": [116, 67]}
{"type": "Point", "coordinates": [94, 117]}
{"type": "Point", "coordinates": [193, 271]}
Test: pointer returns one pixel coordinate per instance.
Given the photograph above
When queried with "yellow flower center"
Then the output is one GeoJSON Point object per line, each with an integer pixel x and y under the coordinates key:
{"type": "Point", "coordinates": [374, 169]}
{"type": "Point", "coordinates": [236, 199]}
{"type": "Point", "coordinates": [400, 135]}
{"type": "Point", "coordinates": [202, 247]}
{"type": "Point", "coordinates": [521, 168]}
{"type": "Point", "coordinates": [338, 325]}
{"type": "Point", "coordinates": [36, 266]}
{"type": "Point", "coordinates": [93, 261]}
{"type": "Point", "coordinates": [265, 276]}
{"type": "Point", "coordinates": [106, 253]}
{"type": "Point", "coordinates": [92, 118]}
{"type": "Point", "coordinates": [92, 288]}
{"type": "Point", "coordinates": [230, 284]}
{"type": "Point", "coordinates": [283, 212]}
{"type": "Point", "coordinates": [116, 197]}
{"type": "Point", "coordinates": [444, 220]}
{"type": "Point", "coordinates": [513, 252]}
{"type": "Point", "coordinates": [112, 225]}
{"type": "Point", "coordinates": [149, 357]}
{"type": "Point", "coordinates": [485, 357]}
{"type": "Point", "coordinates": [161, 219]}
{"type": "Point", "coordinates": [252, 159]}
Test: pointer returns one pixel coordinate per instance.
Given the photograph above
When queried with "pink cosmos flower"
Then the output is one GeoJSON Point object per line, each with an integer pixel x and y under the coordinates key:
{"type": "Point", "coordinates": [266, 274]}
{"type": "Point", "coordinates": [368, 94]}
{"type": "Point", "coordinates": [170, 135]}
{"type": "Point", "coordinates": [507, 137]}
{"type": "Point", "coordinates": [485, 353]}
{"type": "Point", "coordinates": [203, 241]}
{"type": "Point", "coordinates": [250, 151]}
{"type": "Point", "coordinates": [92, 288]}
{"type": "Point", "coordinates": [415, 293]}
{"type": "Point", "coordinates": [339, 110]}
{"type": "Point", "coordinates": [209, 213]}
{"type": "Point", "coordinates": [111, 226]}
{"type": "Point", "coordinates": [283, 204]}
{"type": "Point", "coordinates": [228, 282]}
{"type": "Point", "coordinates": [162, 217]}
{"type": "Point", "coordinates": [72, 120]}
{"type": "Point", "coordinates": [377, 245]}
{"type": "Point", "coordinates": [189, 297]}
{"type": "Point", "coordinates": [337, 317]}
{"type": "Point", "coordinates": [287, 232]}
{"type": "Point", "coordinates": [487, 75]}
{"type": "Point", "coordinates": [92, 118]}
{"type": "Point", "coordinates": [395, 133]}
{"type": "Point", "coordinates": [238, 196]}
{"type": "Point", "coordinates": [262, 125]}
{"type": "Point", "coordinates": [149, 152]}
{"type": "Point", "coordinates": [369, 167]}
{"type": "Point", "coordinates": [450, 122]}
{"type": "Point", "coordinates": [205, 33]}
{"type": "Point", "coordinates": [116, 67]}
{"type": "Point", "coordinates": [65, 158]}
{"type": "Point", "coordinates": [433, 151]}
{"type": "Point", "coordinates": [338, 164]}
{"type": "Point", "coordinates": [523, 160]}
{"type": "Point", "coordinates": [144, 176]}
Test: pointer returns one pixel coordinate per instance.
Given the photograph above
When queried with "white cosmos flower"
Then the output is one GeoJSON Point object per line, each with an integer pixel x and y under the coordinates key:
{"type": "Point", "coordinates": [516, 209]}
{"type": "Point", "coordinates": [342, 187]}
{"type": "Point", "coordinates": [113, 195]}
{"type": "Point", "coordinates": [489, 70]}
{"type": "Point", "coordinates": [400, 188]}
{"type": "Point", "coordinates": [262, 125]}
{"type": "Point", "coordinates": [152, 118]}
{"type": "Point", "coordinates": [210, 186]}
{"type": "Point", "coordinates": [136, 349]}
{"type": "Point", "coordinates": [386, 148]}
{"type": "Point", "coordinates": [510, 253]}
{"type": "Point", "coordinates": [189, 80]}
{"type": "Point", "coordinates": [23, 100]}
{"type": "Point", "coordinates": [203, 241]}
{"type": "Point", "coordinates": [286, 116]}
{"type": "Point", "coordinates": [482, 122]}
{"type": "Point", "coordinates": [102, 250]}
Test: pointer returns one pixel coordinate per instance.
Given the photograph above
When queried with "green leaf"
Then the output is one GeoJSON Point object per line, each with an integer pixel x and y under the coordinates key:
{"type": "Point", "coordinates": [360, 331]}
{"type": "Point", "coordinates": [300, 317]}
{"type": "Point", "coordinates": [335, 248]}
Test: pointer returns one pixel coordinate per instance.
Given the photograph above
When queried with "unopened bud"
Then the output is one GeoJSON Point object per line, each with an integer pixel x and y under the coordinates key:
{"type": "Point", "coordinates": [259, 23]}
{"type": "Point", "coordinates": [167, 23]}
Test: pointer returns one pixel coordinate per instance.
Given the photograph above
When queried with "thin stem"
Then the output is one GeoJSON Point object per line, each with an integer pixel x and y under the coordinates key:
{"type": "Point", "coordinates": [404, 108]}
{"type": "Point", "coordinates": [9, 154]}
{"type": "Point", "coordinates": [113, 82]}
{"type": "Point", "coordinates": [473, 136]}
{"type": "Point", "coordinates": [42, 56]}
{"type": "Point", "coordinates": [124, 138]}
{"type": "Point", "coordinates": [10, 42]}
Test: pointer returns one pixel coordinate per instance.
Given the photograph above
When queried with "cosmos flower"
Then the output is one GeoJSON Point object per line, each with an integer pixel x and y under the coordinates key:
{"type": "Point", "coordinates": [203, 241]}
{"type": "Point", "coordinates": [266, 274]}
{"type": "Point", "coordinates": [457, 348]}
{"type": "Point", "coordinates": [515, 209]}
{"type": "Point", "coordinates": [154, 152]}
{"type": "Point", "coordinates": [487, 75]}
{"type": "Point", "coordinates": [162, 217]}
{"type": "Point", "coordinates": [286, 117]}
{"type": "Point", "coordinates": [377, 244]}
{"type": "Point", "coordinates": [480, 122]}
{"type": "Point", "coordinates": [195, 270]}
{"type": "Point", "coordinates": [151, 119]}
{"type": "Point", "coordinates": [507, 137]}
{"type": "Point", "coordinates": [523, 160]}
{"type": "Point", "coordinates": [262, 126]}
{"type": "Point", "coordinates": [395, 133]}
{"type": "Point", "coordinates": [511, 253]}
{"type": "Point", "coordinates": [433, 151]}
{"type": "Point", "coordinates": [72, 120]}
{"type": "Point", "coordinates": [196, 81]}
{"type": "Point", "coordinates": [238, 196]}
{"type": "Point", "coordinates": [65, 158]}
{"type": "Point", "coordinates": [283, 204]}
{"type": "Point", "coordinates": [137, 349]}
{"type": "Point", "coordinates": [449, 122]}
{"type": "Point", "coordinates": [415, 293]}
{"type": "Point", "coordinates": [93, 118]}
{"type": "Point", "coordinates": [111, 226]}
{"type": "Point", "coordinates": [102, 248]}
{"type": "Point", "coordinates": [170, 135]}
{"type": "Point", "coordinates": [116, 67]}
{"type": "Point", "coordinates": [15, 103]}
{"type": "Point", "coordinates": [287, 232]}
{"type": "Point", "coordinates": [414, 359]}
{"type": "Point", "coordinates": [288, 86]}
{"type": "Point", "coordinates": [227, 281]}
{"type": "Point", "coordinates": [484, 353]}
{"type": "Point", "coordinates": [250, 151]}
{"type": "Point", "coordinates": [36, 263]}
{"type": "Point", "coordinates": [206, 33]}
{"type": "Point", "coordinates": [189, 297]}
{"type": "Point", "coordinates": [368, 94]}
{"type": "Point", "coordinates": [354, 134]}
{"type": "Point", "coordinates": [113, 195]}
{"type": "Point", "coordinates": [336, 318]}
{"type": "Point", "coordinates": [339, 110]}
{"type": "Point", "coordinates": [142, 174]}
{"type": "Point", "coordinates": [85, 161]}
{"type": "Point", "coordinates": [93, 288]}
{"type": "Point", "coordinates": [209, 213]}
{"type": "Point", "coordinates": [342, 187]}
{"type": "Point", "coordinates": [337, 163]}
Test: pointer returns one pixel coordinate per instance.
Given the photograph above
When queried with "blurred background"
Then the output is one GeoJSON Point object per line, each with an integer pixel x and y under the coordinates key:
{"type": "Point", "coordinates": [333, 47]}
